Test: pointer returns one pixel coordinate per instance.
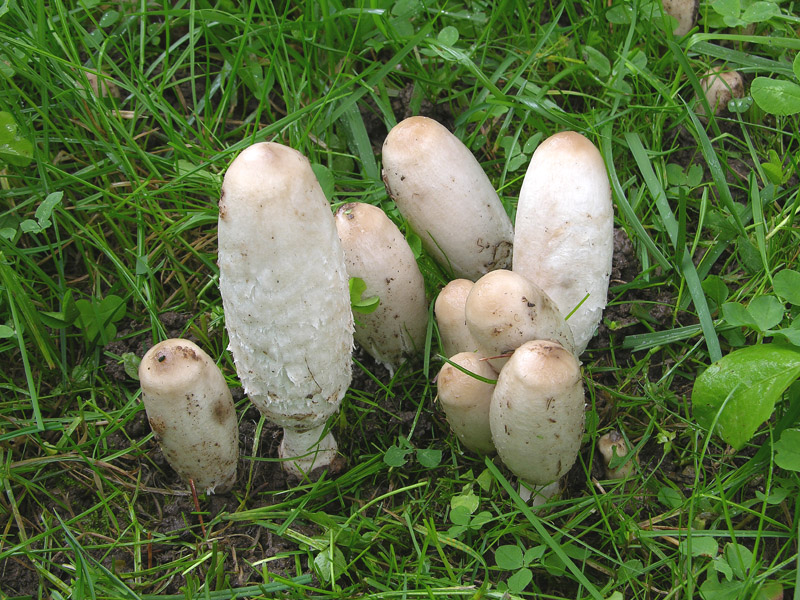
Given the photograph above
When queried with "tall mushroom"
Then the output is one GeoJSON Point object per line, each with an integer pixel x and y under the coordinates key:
{"type": "Point", "coordinates": [564, 238]}
{"type": "Point", "coordinates": [191, 413]}
{"type": "Point", "coordinates": [376, 252]}
{"type": "Point", "coordinates": [445, 195]}
{"type": "Point", "coordinates": [285, 295]}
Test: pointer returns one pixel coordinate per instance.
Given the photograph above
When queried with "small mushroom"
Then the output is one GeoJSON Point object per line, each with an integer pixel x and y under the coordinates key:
{"type": "Point", "coordinates": [720, 87]}
{"type": "Point", "coordinates": [191, 412]}
{"type": "Point", "coordinates": [446, 197]}
{"type": "Point", "coordinates": [284, 288]}
{"type": "Point", "coordinates": [505, 310]}
{"type": "Point", "coordinates": [612, 445]}
{"type": "Point", "coordinates": [376, 252]}
{"type": "Point", "coordinates": [451, 317]}
{"type": "Point", "coordinates": [685, 11]}
{"type": "Point", "coordinates": [537, 413]}
{"type": "Point", "coordinates": [466, 399]}
{"type": "Point", "coordinates": [564, 240]}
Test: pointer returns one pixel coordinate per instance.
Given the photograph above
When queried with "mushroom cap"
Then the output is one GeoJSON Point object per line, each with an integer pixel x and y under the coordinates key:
{"type": "Point", "coordinates": [505, 309]}
{"type": "Point", "coordinates": [537, 412]}
{"type": "Point", "coordinates": [451, 317]}
{"type": "Point", "coordinates": [446, 197]}
{"type": "Point", "coordinates": [376, 251]}
{"type": "Point", "coordinates": [720, 87]}
{"type": "Point", "coordinates": [284, 286]}
{"type": "Point", "coordinates": [191, 412]}
{"type": "Point", "coordinates": [564, 239]}
{"type": "Point", "coordinates": [466, 399]}
{"type": "Point", "coordinates": [685, 11]}
{"type": "Point", "coordinates": [609, 444]}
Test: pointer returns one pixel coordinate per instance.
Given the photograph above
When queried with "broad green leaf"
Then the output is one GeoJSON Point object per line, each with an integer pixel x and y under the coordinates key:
{"type": "Point", "coordinates": [460, 515]}
{"type": "Point", "coordinates": [670, 497]}
{"type": "Point", "coordinates": [467, 499]}
{"type": "Point", "coordinates": [759, 12]}
{"type": "Point", "coordinates": [727, 8]}
{"type": "Point", "coordinates": [519, 581]}
{"type": "Point", "coordinates": [330, 564]}
{"type": "Point", "coordinates": [480, 519]}
{"type": "Point", "coordinates": [787, 450]}
{"type": "Point", "coordinates": [715, 289]}
{"type": "Point", "coordinates": [534, 554]}
{"type": "Point", "coordinates": [766, 311]}
{"type": "Point", "coordinates": [776, 96]}
{"type": "Point", "coordinates": [597, 61]}
{"type": "Point", "coordinates": [722, 590]}
{"type": "Point", "coordinates": [787, 285]}
{"type": "Point", "coordinates": [6, 332]}
{"type": "Point", "coordinates": [509, 557]}
{"type": "Point", "coordinates": [429, 457]}
{"type": "Point", "coordinates": [739, 558]}
{"type": "Point", "coordinates": [14, 149]}
{"type": "Point", "coordinates": [97, 318]}
{"type": "Point", "coordinates": [359, 304]}
{"type": "Point", "coordinates": [130, 362]}
{"type": "Point", "coordinates": [396, 456]}
{"type": "Point", "coordinates": [701, 546]}
{"type": "Point", "coordinates": [739, 391]}
{"type": "Point", "coordinates": [737, 315]}
{"type": "Point", "coordinates": [448, 36]}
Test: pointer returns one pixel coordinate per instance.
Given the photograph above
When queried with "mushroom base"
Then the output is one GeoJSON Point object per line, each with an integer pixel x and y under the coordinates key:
{"type": "Point", "coordinates": [304, 451]}
{"type": "Point", "coordinates": [538, 495]}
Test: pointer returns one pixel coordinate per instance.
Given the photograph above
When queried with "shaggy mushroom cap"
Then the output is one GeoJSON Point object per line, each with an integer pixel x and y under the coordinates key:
{"type": "Point", "coordinates": [376, 252]}
{"type": "Point", "coordinates": [191, 412]}
{"type": "Point", "coordinates": [505, 310]}
{"type": "Point", "coordinates": [446, 197]}
{"type": "Point", "coordinates": [564, 240]}
{"type": "Point", "coordinates": [466, 399]}
{"type": "Point", "coordinates": [285, 293]}
{"type": "Point", "coordinates": [449, 310]}
{"type": "Point", "coordinates": [537, 412]}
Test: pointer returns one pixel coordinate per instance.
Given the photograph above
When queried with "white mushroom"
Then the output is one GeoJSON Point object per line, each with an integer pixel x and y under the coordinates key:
{"type": "Point", "coordinates": [720, 87]}
{"type": "Point", "coordinates": [376, 252]}
{"type": "Point", "coordinates": [446, 197]}
{"type": "Point", "coordinates": [612, 445]}
{"type": "Point", "coordinates": [564, 239]}
{"type": "Point", "coordinates": [451, 317]}
{"type": "Point", "coordinates": [285, 295]}
{"type": "Point", "coordinates": [685, 11]}
{"type": "Point", "coordinates": [505, 310]}
{"type": "Point", "coordinates": [465, 399]}
{"type": "Point", "coordinates": [537, 412]}
{"type": "Point", "coordinates": [191, 412]}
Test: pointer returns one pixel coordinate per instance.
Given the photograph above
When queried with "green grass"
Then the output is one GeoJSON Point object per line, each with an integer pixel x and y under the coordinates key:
{"type": "Point", "coordinates": [87, 509]}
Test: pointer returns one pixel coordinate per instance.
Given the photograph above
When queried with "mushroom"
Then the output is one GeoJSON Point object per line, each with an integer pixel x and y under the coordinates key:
{"type": "Point", "coordinates": [537, 413]}
{"type": "Point", "coordinates": [465, 398]}
{"type": "Point", "coordinates": [444, 194]}
{"type": "Point", "coordinates": [376, 252]}
{"type": "Point", "coordinates": [685, 12]}
{"type": "Point", "coordinates": [612, 445]}
{"type": "Point", "coordinates": [191, 413]}
{"type": "Point", "coordinates": [505, 309]}
{"type": "Point", "coordinates": [451, 318]}
{"type": "Point", "coordinates": [564, 238]}
{"type": "Point", "coordinates": [285, 295]}
{"type": "Point", "coordinates": [720, 87]}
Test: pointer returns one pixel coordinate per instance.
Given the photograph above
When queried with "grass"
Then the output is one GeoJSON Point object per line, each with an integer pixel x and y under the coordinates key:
{"type": "Point", "coordinates": [123, 254]}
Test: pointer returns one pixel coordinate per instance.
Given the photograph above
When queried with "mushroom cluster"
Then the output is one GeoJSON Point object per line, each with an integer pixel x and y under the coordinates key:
{"type": "Point", "coordinates": [513, 383]}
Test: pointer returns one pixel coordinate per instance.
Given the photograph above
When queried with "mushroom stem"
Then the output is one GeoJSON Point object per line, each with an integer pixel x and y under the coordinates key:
{"type": "Point", "coordinates": [301, 450]}
{"type": "Point", "coordinates": [538, 495]}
